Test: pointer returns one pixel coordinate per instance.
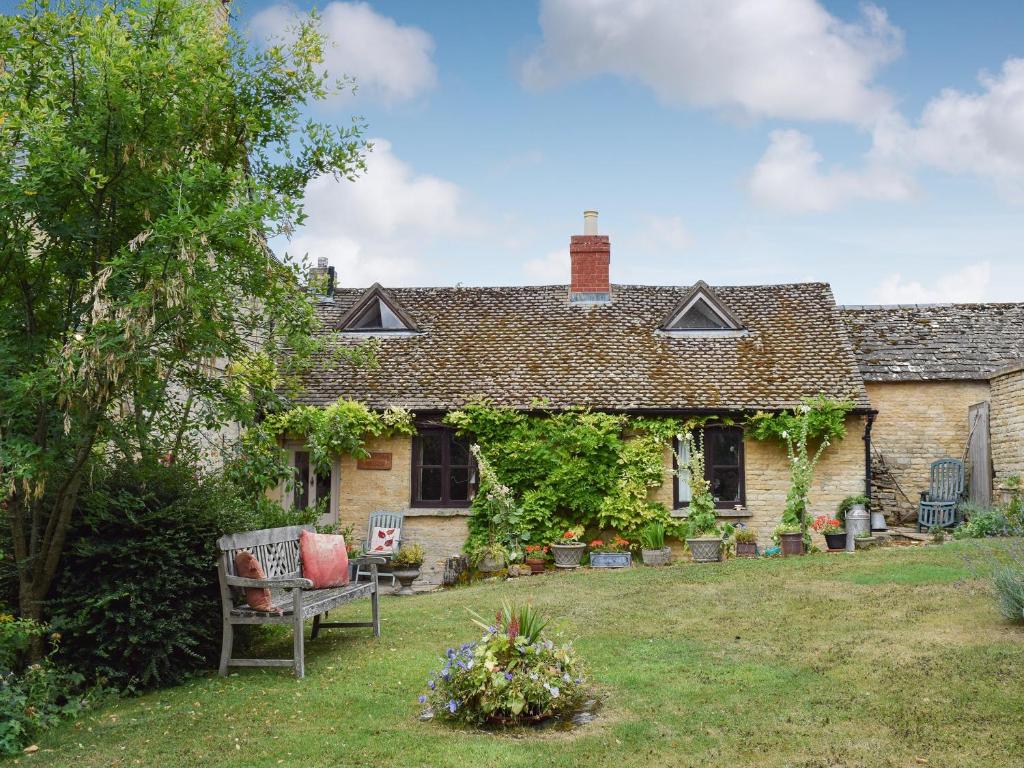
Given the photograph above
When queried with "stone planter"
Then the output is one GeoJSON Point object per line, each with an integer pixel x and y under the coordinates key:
{"type": "Point", "coordinates": [706, 549]}
{"type": "Point", "coordinates": [611, 559]}
{"type": "Point", "coordinates": [864, 543]}
{"type": "Point", "coordinates": [406, 576]}
{"type": "Point", "coordinates": [490, 564]}
{"type": "Point", "coordinates": [746, 549]}
{"type": "Point", "coordinates": [568, 555]}
{"type": "Point", "coordinates": [836, 541]}
{"type": "Point", "coordinates": [656, 556]}
{"type": "Point", "coordinates": [536, 564]}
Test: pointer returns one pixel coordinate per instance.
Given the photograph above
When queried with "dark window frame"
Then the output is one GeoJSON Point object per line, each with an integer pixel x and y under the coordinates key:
{"type": "Point", "coordinates": [446, 467]}
{"type": "Point", "coordinates": [709, 466]}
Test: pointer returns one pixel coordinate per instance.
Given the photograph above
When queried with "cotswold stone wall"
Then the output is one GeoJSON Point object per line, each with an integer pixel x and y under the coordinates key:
{"type": "Point", "coordinates": [917, 423]}
{"type": "Point", "coordinates": [441, 532]}
{"type": "Point", "coordinates": [839, 474]}
{"type": "Point", "coordinates": [1007, 425]}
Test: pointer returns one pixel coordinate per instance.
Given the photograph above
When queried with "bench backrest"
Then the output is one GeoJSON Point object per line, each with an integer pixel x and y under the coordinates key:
{"type": "Point", "coordinates": [276, 549]}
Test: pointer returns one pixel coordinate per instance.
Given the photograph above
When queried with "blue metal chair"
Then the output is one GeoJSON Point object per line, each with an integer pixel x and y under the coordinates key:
{"type": "Point", "coordinates": [938, 504]}
{"type": "Point", "coordinates": [382, 520]}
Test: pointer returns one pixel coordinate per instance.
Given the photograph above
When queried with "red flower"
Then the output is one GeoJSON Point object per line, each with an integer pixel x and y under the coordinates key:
{"type": "Point", "coordinates": [568, 535]}
{"type": "Point", "coordinates": [597, 543]}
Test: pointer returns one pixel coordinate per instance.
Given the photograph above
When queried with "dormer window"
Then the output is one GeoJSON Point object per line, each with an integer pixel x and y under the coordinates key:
{"type": "Point", "coordinates": [701, 311]}
{"type": "Point", "coordinates": [377, 312]}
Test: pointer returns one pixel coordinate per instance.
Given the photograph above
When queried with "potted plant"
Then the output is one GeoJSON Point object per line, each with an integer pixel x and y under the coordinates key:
{"type": "Point", "coordinates": [568, 549]}
{"type": "Point", "coordinates": [652, 545]}
{"type": "Point", "coordinates": [864, 540]}
{"type": "Point", "coordinates": [746, 542]}
{"type": "Point", "coordinates": [613, 553]}
{"type": "Point", "coordinates": [406, 566]}
{"type": "Point", "coordinates": [790, 536]}
{"type": "Point", "coordinates": [536, 557]}
{"type": "Point", "coordinates": [489, 557]}
{"type": "Point", "coordinates": [833, 531]}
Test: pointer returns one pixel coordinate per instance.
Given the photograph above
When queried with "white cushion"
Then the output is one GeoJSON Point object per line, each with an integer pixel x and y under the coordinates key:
{"type": "Point", "coordinates": [383, 541]}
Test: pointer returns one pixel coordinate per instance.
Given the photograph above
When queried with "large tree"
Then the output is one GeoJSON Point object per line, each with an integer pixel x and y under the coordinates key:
{"type": "Point", "coordinates": [148, 155]}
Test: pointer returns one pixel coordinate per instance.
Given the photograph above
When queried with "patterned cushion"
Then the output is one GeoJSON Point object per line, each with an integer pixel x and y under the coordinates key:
{"type": "Point", "coordinates": [384, 540]}
{"type": "Point", "coordinates": [324, 559]}
{"type": "Point", "coordinates": [248, 567]}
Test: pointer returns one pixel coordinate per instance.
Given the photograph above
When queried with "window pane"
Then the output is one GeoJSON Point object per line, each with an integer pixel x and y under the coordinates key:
{"type": "Point", "coordinates": [724, 446]}
{"type": "Point", "coordinates": [458, 484]}
{"type": "Point", "coordinates": [458, 452]}
{"type": "Point", "coordinates": [683, 479]}
{"type": "Point", "coordinates": [300, 496]}
{"type": "Point", "coordinates": [430, 484]}
{"type": "Point", "coordinates": [725, 484]}
{"type": "Point", "coordinates": [700, 316]}
{"type": "Point", "coordinates": [430, 448]}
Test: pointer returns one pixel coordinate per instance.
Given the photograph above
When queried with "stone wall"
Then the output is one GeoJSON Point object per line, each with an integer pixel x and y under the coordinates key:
{"type": "Point", "coordinates": [1007, 425]}
{"type": "Point", "coordinates": [917, 423]}
{"type": "Point", "coordinates": [839, 474]}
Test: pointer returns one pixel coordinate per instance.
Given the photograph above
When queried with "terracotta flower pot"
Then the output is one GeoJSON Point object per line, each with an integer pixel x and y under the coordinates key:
{"type": "Point", "coordinates": [792, 543]}
{"type": "Point", "coordinates": [536, 564]}
{"type": "Point", "coordinates": [568, 555]}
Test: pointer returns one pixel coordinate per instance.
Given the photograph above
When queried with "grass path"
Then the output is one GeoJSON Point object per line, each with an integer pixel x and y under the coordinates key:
{"type": "Point", "coordinates": [886, 658]}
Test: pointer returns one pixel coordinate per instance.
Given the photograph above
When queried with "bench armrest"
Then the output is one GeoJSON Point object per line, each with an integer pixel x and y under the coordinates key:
{"type": "Point", "coordinates": [372, 560]}
{"type": "Point", "coordinates": [283, 583]}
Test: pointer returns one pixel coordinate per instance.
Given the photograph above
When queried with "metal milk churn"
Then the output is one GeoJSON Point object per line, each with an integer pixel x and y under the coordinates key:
{"type": "Point", "coordinates": [858, 521]}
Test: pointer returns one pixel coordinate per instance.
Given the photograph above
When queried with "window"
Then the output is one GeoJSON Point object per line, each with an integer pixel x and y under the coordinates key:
{"type": "Point", "coordinates": [378, 316]}
{"type": "Point", "coordinates": [443, 474]}
{"type": "Point", "coordinates": [377, 311]}
{"type": "Point", "coordinates": [310, 487]}
{"type": "Point", "coordinates": [723, 467]}
{"type": "Point", "coordinates": [701, 312]}
{"type": "Point", "coordinates": [700, 317]}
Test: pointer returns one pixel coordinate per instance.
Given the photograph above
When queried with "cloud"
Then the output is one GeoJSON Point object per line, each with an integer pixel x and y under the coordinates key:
{"type": "Point", "coordinates": [663, 233]}
{"type": "Point", "coordinates": [789, 177]}
{"type": "Point", "coordinates": [966, 133]}
{"type": "Point", "coordinates": [971, 283]}
{"type": "Point", "coordinates": [772, 58]}
{"type": "Point", "coordinates": [378, 227]}
{"type": "Point", "coordinates": [390, 62]}
{"type": "Point", "coordinates": [552, 269]}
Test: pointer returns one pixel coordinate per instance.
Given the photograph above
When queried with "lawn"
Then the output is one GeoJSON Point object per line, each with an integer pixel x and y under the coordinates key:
{"type": "Point", "coordinates": [893, 657]}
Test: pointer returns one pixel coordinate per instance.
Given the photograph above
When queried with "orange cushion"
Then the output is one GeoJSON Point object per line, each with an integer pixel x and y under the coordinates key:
{"type": "Point", "coordinates": [324, 559]}
{"type": "Point", "coordinates": [248, 567]}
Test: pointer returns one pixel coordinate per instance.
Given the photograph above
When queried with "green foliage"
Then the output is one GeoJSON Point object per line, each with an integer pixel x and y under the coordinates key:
{"type": "Point", "coordinates": [495, 507]}
{"type": "Point", "coordinates": [511, 676]}
{"type": "Point", "coordinates": [408, 556]}
{"type": "Point", "coordinates": [652, 536]}
{"type": "Point", "coordinates": [529, 621]}
{"type": "Point", "coordinates": [849, 503]}
{"type": "Point", "coordinates": [701, 520]}
{"type": "Point", "coordinates": [982, 522]}
{"type": "Point", "coordinates": [745, 536]}
{"type": "Point", "coordinates": [33, 697]}
{"type": "Point", "coordinates": [817, 419]}
{"type": "Point", "coordinates": [567, 468]}
{"type": "Point", "coordinates": [137, 599]}
{"type": "Point", "coordinates": [1008, 582]}
{"type": "Point", "coordinates": [149, 153]}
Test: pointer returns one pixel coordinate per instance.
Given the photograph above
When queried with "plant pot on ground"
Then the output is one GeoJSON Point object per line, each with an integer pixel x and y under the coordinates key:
{"type": "Point", "coordinates": [791, 539]}
{"type": "Point", "coordinates": [746, 543]}
{"type": "Point", "coordinates": [568, 550]}
{"type": "Point", "coordinates": [611, 554]}
{"type": "Point", "coordinates": [832, 529]}
{"type": "Point", "coordinates": [406, 567]}
{"type": "Point", "coordinates": [536, 558]}
{"type": "Point", "coordinates": [652, 545]}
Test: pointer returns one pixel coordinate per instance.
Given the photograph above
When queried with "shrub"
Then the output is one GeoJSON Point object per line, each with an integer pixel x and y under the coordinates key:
{"type": "Point", "coordinates": [35, 697]}
{"type": "Point", "coordinates": [409, 556]}
{"type": "Point", "coordinates": [746, 536]}
{"type": "Point", "coordinates": [512, 675]}
{"type": "Point", "coordinates": [137, 601]}
{"type": "Point", "coordinates": [982, 522]}
{"type": "Point", "coordinates": [1008, 581]}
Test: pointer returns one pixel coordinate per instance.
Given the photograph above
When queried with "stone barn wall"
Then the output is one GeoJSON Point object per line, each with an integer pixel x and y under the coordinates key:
{"type": "Point", "coordinates": [1007, 425]}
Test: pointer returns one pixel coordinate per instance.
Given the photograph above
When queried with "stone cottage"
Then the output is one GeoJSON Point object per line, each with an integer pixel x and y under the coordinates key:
{"type": "Point", "coordinates": [945, 380]}
{"type": "Point", "coordinates": [652, 350]}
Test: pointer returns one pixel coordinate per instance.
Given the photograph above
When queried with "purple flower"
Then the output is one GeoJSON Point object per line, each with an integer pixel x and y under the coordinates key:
{"type": "Point", "coordinates": [423, 699]}
{"type": "Point", "coordinates": [450, 653]}
{"type": "Point", "coordinates": [452, 706]}
{"type": "Point", "coordinates": [431, 684]}
{"type": "Point", "coordinates": [446, 673]}
{"type": "Point", "coordinates": [508, 675]}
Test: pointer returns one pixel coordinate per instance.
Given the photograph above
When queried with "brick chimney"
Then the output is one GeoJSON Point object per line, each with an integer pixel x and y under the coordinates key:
{"type": "Point", "coordinates": [590, 254]}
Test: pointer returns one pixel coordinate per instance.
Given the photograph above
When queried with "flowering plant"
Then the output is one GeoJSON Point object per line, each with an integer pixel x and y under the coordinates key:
{"type": "Point", "coordinates": [615, 544]}
{"type": "Point", "coordinates": [510, 676]}
{"type": "Point", "coordinates": [536, 552]}
{"type": "Point", "coordinates": [825, 524]}
{"type": "Point", "coordinates": [571, 536]}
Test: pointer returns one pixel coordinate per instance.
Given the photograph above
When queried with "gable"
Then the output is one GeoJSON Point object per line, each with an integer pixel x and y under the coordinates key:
{"type": "Point", "coordinates": [701, 310]}
{"type": "Point", "coordinates": [376, 311]}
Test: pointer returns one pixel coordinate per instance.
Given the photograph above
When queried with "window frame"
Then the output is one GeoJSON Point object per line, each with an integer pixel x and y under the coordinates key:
{"type": "Point", "coordinates": [709, 465]}
{"type": "Point", "coordinates": [444, 502]}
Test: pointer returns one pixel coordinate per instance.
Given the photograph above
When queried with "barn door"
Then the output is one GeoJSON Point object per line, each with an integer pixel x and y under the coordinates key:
{"type": "Point", "coordinates": [979, 454]}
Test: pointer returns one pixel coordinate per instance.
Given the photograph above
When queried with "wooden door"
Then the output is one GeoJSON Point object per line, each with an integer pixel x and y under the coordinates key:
{"type": "Point", "coordinates": [979, 455]}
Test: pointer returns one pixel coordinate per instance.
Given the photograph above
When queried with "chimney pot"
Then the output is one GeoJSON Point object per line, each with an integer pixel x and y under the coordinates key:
{"type": "Point", "coordinates": [321, 261]}
{"type": "Point", "coordinates": [590, 222]}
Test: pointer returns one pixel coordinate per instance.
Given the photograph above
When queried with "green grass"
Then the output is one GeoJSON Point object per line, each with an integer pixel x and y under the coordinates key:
{"type": "Point", "coordinates": [883, 658]}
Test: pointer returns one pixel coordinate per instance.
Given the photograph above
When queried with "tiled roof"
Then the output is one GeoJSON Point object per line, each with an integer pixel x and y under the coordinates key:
{"type": "Point", "coordinates": [917, 342]}
{"type": "Point", "coordinates": [516, 345]}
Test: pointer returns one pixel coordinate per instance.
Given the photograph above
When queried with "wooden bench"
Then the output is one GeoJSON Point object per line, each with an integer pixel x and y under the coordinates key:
{"type": "Point", "coordinates": [277, 550]}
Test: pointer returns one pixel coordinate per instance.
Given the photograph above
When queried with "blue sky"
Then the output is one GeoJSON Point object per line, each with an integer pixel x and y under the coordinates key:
{"type": "Point", "coordinates": [876, 147]}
